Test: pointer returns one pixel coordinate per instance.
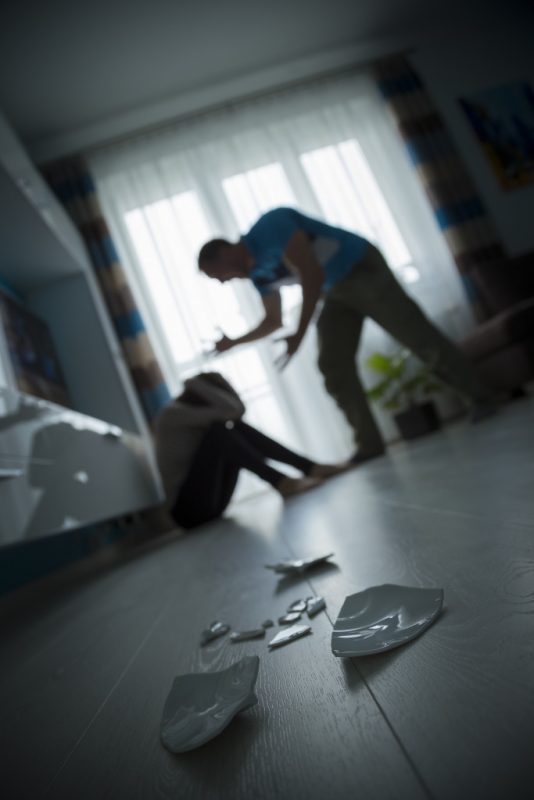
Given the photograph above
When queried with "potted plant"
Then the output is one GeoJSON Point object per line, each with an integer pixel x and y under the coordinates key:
{"type": "Point", "coordinates": [404, 387]}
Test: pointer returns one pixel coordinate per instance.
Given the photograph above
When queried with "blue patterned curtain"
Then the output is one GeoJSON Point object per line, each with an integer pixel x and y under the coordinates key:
{"type": "Point", "coordinates": [460, 213]}
{"type": "Point", "coordinates": [72, 183]}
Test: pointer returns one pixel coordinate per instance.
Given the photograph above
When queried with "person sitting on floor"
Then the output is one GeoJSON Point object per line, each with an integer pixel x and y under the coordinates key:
{"type": "Point", "coordinates": [202, 443]}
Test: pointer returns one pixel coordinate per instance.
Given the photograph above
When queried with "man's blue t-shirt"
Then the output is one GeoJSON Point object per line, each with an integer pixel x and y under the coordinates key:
{"type": "Point", "coordinates": [337, 250]}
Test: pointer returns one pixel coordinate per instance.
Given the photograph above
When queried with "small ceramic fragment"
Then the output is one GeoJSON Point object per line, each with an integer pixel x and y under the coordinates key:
{"type": "Point", "coordinates": [215, 630]}
{"type": "Point", "coordinates": [289, 619]}
{"type": "Point", "coordinates": [298, 605]}
{"type": "Point", "coordinates": [200, 706]}
{"type": "Point", "coordinates": [296, 566]}
{"type": "Point", "coordinates": [289, 634]}
{"type": "Point", "coordinates": [243, 636]}
{"type": "Point", "coordinates": [314, 605]}
{"type": "Point", "coordinates": [268, 623]}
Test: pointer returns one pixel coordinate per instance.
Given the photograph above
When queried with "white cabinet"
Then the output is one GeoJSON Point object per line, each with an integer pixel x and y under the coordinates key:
{"type": "Point", "coordinates": [60, 469]}
{"type": "Point", "coordinates": [43, 259]}
{"type": "Point", "coordinates": [54, 248]}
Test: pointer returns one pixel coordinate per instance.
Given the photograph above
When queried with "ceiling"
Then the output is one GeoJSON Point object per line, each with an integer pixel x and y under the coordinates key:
{"type": "Point", "coordinates": [65, 66]}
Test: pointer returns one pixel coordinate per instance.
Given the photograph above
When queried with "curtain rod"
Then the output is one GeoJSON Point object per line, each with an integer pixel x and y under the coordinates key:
{"type": "Point", "coordinates": [242, 99]}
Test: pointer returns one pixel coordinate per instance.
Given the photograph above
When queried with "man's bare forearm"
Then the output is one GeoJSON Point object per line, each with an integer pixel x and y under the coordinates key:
{"type": "Point", "coordinates": [311, 292]}
{"type": "Point", "coordinates": [263, 329]}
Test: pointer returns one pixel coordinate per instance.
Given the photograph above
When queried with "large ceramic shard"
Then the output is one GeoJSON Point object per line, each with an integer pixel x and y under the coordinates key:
{"type": "Point", "coordinates": [200, 706]}
{"type": "Point", "coordinates": [383, 617]}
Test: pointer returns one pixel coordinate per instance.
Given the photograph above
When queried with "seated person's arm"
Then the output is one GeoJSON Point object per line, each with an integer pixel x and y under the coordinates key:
{"type": "Point", "coordinates": [220, 381]}
{"type": "Point", "coordinates": [218, 402]}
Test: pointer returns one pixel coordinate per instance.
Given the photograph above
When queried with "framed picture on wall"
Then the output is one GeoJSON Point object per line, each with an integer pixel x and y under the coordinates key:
{"type": "Point", "coordinates": [503, 121]}
{"type": "Point", "coordinates": [32, 352]}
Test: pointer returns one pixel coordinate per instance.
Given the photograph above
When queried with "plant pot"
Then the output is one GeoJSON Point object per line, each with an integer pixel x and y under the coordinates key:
{"type": "Point", "coordinates": [418, 420]}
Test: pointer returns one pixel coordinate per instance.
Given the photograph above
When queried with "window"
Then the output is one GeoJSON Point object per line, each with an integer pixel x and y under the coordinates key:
{"type": "Point", "coordinates": [190, 313]}
{"type": "Point", "coordinates": [350, 197]}
{"type": "Point", "coordinates": [329, 149]}
{"type": "Point", "coordinates": [252, 193]}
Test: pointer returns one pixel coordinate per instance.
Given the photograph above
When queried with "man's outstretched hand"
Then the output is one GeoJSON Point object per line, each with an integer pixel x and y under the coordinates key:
{"type": "Point", "coordinates": [220, 346]}
{"type": "Point", "coordinates": [292, 345]}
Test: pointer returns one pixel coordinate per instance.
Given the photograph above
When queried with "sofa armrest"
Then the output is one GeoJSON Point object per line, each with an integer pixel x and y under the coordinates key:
{"type": "Point", "coordinates": [504, 283]}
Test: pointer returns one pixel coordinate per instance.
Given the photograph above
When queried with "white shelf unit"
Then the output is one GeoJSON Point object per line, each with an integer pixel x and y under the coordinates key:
{"type": "Point", "coordinates": [44, 260]}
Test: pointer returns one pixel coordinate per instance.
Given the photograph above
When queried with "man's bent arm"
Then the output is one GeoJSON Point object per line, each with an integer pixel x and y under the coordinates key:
{"type": "Point", "coordinates": [270, 323]}
{"type": "Point", "coordinates": [302, 257]}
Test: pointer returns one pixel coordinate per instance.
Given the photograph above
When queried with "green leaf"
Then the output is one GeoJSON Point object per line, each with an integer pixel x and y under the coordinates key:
{"type": "Point", "coordinates": [378, 390]}
{"type": "Point", "coordinates": [380, 363]}
{"type": "Point", "coordinates": [393, 404]}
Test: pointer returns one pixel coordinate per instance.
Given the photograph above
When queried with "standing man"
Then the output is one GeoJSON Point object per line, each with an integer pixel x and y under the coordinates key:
{"type": "Point", "coordinates": [352, 277]}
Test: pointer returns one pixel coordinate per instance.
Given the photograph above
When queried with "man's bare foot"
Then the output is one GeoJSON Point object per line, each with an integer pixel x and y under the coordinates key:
{"type": "Point", "coordinates": [328, 470]}
{"type": "Point", "coordinates": [290, 486]}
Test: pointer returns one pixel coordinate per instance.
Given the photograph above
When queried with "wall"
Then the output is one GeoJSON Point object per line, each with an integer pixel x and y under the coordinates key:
{"type": "Point", "coordinates": [473, 60]}
{"type": "Point", "coordinates": [5, 371]}
{"type": "Point", "coordinates": [91, 374]}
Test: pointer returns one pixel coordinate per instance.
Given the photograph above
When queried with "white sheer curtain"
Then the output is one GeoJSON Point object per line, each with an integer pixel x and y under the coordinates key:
{"type": "Point", "coordinates": [328, 148]}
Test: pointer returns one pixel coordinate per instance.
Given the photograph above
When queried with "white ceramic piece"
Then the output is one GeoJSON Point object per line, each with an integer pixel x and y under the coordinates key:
{"type": "Point", "coordinates": [383, 617]}
{"type": "Point", "coordinates": [298, 565]}
{"type": "Point", "coordinates": [215, 630]}
{"type": "Point", "coordinates": [289, 619]}
{"type": "Point", "coordinates": [289, 634]}
{"type": "Point", "coordinates": [244, 636]}
{"type": "Point", "coordinates": [314, 605]}
{"type": "Point", "coordinates": [199, 706]}
{"type": "Point", "coordinates": [298, 605]}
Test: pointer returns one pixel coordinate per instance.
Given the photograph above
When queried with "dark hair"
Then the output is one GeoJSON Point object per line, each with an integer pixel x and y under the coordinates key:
{"type": "Point", "coordinates": [211, 250]}
{"type": "Point", "coordinates": [189, 395]}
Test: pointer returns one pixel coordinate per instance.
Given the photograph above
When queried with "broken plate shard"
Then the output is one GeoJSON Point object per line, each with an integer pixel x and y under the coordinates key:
{"type": "Point", "coordinates": [383, 617]}
{"type": "Point", "coordinates": [298, 605]}
{"type": "Point", "coordinates": [215, 630]}
{"type": "Point", "coordinates": [243, 636]}
{"type": "Point", "coordinates": [268, 623]}
{"type": "Point", "coordinates": [314, 605]}
{"type": "Point", "coordinates": [289, 619]}
{"type": "Point", "coordinates": [289, 634]}
{"type": "Point", "coordinates": [298, 565]}
{"type": "Point", "coordinates": [200, 706]}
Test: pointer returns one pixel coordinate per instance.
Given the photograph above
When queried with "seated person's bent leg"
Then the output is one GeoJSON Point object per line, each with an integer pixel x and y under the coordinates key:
{"type": "Point", "coordinates": [269, 448]}
{"type": "Point", "coordinates": [213, 475]}
{"type": "Point", "coordinates": [209, 485]}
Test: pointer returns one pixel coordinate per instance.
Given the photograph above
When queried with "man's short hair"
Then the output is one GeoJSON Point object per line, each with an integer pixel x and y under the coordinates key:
{"type": "Point", "coordinates": [211, 250]}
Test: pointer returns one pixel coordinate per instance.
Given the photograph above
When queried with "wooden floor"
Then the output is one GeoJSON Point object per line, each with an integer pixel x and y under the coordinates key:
{"type": "Point", "coordinates": [87, 659]}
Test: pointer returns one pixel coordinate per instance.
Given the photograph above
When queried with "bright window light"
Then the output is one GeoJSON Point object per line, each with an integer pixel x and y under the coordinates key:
{"type": "Point", "coordinates": [350, 197]}
{"type": "Point", "coordinates": [191, 311]}
{"type": "Point", "coordinates": [252, 193]}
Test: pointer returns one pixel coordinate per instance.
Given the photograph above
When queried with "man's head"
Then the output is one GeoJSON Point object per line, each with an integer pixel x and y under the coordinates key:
{"type": "Point", "coordinates": [223, 260]}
